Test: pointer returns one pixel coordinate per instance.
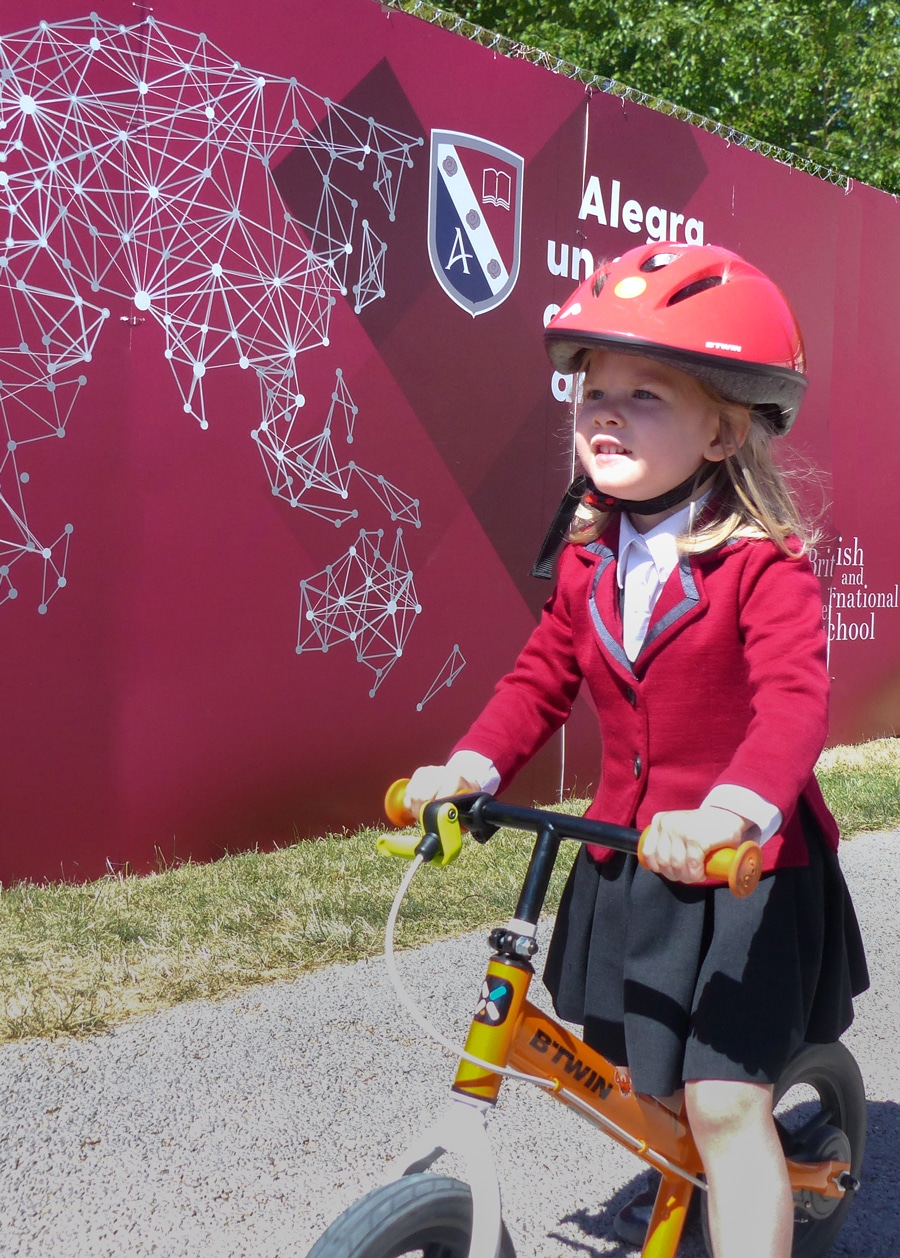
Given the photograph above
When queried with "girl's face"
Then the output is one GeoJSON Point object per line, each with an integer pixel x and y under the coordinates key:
{"type": "Point", "coordinates": [642, 427]}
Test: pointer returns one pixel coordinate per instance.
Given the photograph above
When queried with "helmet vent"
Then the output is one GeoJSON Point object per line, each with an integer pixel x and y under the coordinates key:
{"type": "Point", "coordinates": [599, 281]}
{"type": "Point", "coordinates": [691, 290]}
{"type": "Point", "coordinates": [659, 260]}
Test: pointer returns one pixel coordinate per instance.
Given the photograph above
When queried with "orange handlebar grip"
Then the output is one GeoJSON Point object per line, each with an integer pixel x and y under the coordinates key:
{"type": "Point", "coordinates": [740, 868]}
{"type": "Point", "coordinates": [394, 808]}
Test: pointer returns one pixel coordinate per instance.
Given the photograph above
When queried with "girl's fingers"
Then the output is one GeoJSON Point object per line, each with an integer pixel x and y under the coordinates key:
{"type": "Point", "coordinates": [677, 842]}
{"type": "Point", "coordinates": [432, 781]}
{"type": "Point", "coordinates": [422, 786]}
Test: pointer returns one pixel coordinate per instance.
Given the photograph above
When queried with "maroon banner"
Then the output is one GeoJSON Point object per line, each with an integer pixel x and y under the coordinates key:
{"type": "Point", "coordinates": [281, 441]}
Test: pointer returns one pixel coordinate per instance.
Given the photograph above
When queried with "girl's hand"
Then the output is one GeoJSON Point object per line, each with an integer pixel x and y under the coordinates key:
{"type": "Point", "coordinates": [677, 843]}
{"type": "Point", "coordinates": [434, 781]}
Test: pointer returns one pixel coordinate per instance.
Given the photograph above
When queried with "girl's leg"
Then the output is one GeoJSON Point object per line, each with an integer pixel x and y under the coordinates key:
{"type": "Point", "coordinates": [751, 1210]}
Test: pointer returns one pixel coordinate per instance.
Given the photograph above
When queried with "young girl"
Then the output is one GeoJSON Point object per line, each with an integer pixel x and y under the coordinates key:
{"type": "Point", "coordinates": [686, 605]}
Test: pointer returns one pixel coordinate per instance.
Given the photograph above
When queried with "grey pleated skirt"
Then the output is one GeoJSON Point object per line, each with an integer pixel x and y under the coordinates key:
{"type": "Point", "coordinates": [679, 982]}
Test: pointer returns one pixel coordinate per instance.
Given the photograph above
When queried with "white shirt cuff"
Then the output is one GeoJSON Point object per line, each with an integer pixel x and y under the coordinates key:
{"type": "Point", "coordinates": [748, 804]}
{"type": "Point", "coordinates": [475, 768]}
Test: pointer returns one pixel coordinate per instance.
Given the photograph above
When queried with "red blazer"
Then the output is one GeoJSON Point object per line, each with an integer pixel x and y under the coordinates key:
{"type": "Point", "coordinates": [730, 686]}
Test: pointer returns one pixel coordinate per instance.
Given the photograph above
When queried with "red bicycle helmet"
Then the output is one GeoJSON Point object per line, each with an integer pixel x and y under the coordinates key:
{"type": "Point", "coordinates": [699, 308]}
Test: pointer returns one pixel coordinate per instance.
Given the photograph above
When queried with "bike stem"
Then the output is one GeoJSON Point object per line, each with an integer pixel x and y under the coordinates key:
{"type": "Point", "coordinates": [482, 815]}
{"type": "Point", "coordinates": [537, 879]}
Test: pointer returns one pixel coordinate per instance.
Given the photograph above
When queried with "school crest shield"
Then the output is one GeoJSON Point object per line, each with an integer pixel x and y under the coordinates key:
{"type": "Point", "coordinates": [474, 219]}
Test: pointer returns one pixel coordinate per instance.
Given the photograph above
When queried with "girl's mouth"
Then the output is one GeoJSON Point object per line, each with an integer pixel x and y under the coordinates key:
{"type": "Point", "coordinates": [602, 447]}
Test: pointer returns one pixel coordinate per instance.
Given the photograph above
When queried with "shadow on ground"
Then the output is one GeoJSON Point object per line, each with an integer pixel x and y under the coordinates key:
{"type": "Point", "coordinates": [871, 1229]}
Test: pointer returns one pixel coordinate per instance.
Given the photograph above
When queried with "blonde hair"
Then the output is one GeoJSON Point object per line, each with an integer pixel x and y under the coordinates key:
{"type": "Point", "coordinates": [749, 494]}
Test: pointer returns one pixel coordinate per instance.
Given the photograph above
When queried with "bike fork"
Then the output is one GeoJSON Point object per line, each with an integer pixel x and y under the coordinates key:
{"type": "Point", "coordinates": [462, 1129]}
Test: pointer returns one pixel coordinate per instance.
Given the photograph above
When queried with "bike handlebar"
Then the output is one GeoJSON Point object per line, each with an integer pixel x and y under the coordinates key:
{"type": "Point", "coordinates": [482, 815]}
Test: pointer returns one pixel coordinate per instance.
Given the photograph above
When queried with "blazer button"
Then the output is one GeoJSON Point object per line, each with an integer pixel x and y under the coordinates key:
{"type": "Point", "coordinates": [631, 697]}
{"type": "Point", "coordinates": [637, 766]}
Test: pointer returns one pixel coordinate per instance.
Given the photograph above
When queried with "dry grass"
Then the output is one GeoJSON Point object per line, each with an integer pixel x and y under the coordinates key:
{"type": "Point", "coordinates": [79, 959]}
{"type": "Point", "coordinates": [862, 785]}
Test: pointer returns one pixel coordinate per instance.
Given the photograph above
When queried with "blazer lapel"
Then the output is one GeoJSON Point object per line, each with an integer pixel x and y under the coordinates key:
{"type": "Point", "coordinates": [683, 598]}
{"type": "Point", "coordinates": [603, 602]}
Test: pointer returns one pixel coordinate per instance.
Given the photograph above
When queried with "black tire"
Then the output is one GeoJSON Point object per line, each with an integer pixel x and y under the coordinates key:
{"type": "Point", "coordinates": [426, 1215]}
{"type": "Point", "coordinates": [820, 1112]}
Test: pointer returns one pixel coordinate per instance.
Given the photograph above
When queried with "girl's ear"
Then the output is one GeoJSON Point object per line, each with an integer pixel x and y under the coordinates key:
{"type": "Point", "coordinates": [731, 433]}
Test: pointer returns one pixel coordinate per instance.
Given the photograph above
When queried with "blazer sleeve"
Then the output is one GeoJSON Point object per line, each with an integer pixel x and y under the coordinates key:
{"type": "Point", "coordinates": [533, 700]}
{"type": "Point", "coordinates": [780, 619]}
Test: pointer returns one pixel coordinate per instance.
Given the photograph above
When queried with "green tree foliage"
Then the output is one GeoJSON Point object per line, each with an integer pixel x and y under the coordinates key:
{"type": "Point", "coordinates": [817, 77]}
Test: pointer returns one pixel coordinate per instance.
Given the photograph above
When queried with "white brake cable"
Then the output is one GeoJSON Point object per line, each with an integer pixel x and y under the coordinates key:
{"type": "Point", "coordinates": [412, 1008]}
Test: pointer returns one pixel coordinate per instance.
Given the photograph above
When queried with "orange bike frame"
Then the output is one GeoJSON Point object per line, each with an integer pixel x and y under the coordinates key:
{"type": "Point", "coordinates": [507, 1030]}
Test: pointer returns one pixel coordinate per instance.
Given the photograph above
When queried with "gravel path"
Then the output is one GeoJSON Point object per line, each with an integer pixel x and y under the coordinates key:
{"type": "Point", "coordinates": [243, 1127]}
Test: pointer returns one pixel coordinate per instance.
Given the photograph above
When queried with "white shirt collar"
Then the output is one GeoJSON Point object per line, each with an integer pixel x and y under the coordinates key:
{"type": "Point", "coordinates": [660, 544]}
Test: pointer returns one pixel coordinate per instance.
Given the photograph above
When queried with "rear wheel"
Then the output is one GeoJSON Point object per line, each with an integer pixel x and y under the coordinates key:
{"type": "Point", "coordinates": [429, 1216]}
{"type": "Point", "coordinates": [820, 1113]}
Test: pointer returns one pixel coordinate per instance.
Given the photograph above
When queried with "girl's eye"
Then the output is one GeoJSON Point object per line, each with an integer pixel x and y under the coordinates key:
{"type": "Point", "coordinates": [593, 395]}
{"type": "Point", "coordinates": [644, 395]}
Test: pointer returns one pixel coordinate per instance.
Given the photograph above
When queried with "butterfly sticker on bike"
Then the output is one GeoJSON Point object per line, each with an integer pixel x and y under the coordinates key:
{"type": "Point", "coordinates": [494, 1002]}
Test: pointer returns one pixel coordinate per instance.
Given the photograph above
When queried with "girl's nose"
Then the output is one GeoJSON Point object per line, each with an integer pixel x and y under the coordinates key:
{"type": "Point", "coordinates": [607, 417]}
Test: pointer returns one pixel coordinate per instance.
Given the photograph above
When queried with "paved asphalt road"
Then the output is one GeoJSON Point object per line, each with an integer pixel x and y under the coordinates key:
{"type": "Point", "coordinates": [241, 1128]}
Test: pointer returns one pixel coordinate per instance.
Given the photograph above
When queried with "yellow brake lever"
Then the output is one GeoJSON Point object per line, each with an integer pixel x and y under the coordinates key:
{"type": "Point", "coordinates": [440, 845]}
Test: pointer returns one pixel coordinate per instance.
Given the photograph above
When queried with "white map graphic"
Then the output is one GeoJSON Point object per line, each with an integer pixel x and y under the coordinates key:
{"type": "Point", "coordinates": [447, 675]}
{"type": "Point", "coordinates": [368, 599]}
{"type": "Point", "coordinates": [136, 162]}
{"type": "Point", "coordinates": [309, 475]}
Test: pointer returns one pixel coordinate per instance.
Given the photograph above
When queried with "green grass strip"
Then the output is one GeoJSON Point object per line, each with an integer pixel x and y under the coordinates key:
{"type": "Point", "coordinates": [78, 959]}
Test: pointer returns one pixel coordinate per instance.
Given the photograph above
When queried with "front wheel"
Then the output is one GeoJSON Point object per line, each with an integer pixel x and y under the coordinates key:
{"type": "Point", "coordinates": [429, 1216]}
{"type": "Point", "coordinates": [820, 1114]}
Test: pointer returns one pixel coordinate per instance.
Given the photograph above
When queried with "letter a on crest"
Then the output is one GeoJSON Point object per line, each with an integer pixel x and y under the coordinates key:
{"type": "Point", "coordinates": [474, 219]}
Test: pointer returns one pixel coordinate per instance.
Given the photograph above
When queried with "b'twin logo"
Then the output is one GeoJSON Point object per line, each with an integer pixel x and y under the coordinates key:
{"type": "Point", "coordinates": [732, 349]}
{"type": "Point", "coordinates": [582, 1074]}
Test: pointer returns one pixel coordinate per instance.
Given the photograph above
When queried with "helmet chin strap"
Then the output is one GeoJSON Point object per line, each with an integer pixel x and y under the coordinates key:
{"type": "Point", "coordinates": [649, 506]}
{"type": "Point", "coordinates": [583, 489]}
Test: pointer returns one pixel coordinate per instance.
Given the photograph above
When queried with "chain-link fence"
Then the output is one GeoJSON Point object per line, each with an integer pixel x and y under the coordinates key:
{"type": "Point", "coordinates": [599, 83]}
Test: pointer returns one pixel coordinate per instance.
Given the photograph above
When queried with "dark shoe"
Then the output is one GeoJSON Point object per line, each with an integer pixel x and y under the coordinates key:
{"type": "Point", "coordinates": [632, 1221]}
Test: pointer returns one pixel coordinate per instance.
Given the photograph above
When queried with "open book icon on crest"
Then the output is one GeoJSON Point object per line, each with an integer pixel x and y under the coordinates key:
{"type": "Point", "coordinates": [496, 188]}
